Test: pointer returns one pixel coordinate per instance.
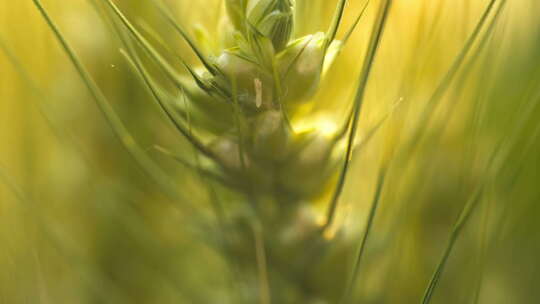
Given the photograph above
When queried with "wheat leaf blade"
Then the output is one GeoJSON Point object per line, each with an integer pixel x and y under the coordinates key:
{"type": "Point", "coordinates": [378, 30]}
{"type": "Point", "coordinates": [123, 135]}
{"type": "Point", "coordinates": [180, 30]}
{"type": "Point", "coordinates": [365, 236]}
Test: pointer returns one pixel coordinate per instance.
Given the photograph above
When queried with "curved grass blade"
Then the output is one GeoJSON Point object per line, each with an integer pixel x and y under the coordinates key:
{"type": "Point", "coordinates": [351, 30]}
{"type": "Point", "coordinates": [444, 84]}
{"type": "Point", "coordinates": [156, 57]}
{"type": "Point", "coordinates": [362, 246]}
{"type": "Point", "coordinates": [158, 93]}
{"type": "Point", "coordinates": [196, 168]}
{"type": "Point", "coordinates": [179, 29]}
{"type": "Point", "coordinates": [170, 72]}
{"type": "Point", "coordinates": [210, 88]}
{"type": "Point", "coordinates": [462, 219]}
{"type": "Point", "coordinates": [378, 29]}
{"type": "Point", "coordinates": [456, 231]}
{"type": "Point", "coordinates": [166, 107]}
{"type": "Point", "coordinates": [472, 203]}
{"type": "Point", "coordinates": [440, 267]}
{"type": "Point", "coordinates": [144, 161]}
{"type": "Point", "coordinates": [336, 22]}
{"type": "Point", "coordinates": [509, 142]}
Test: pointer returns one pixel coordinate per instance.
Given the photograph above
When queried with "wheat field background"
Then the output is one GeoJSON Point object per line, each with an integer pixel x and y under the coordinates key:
{"type": "Point", "coordinates": [459, 146]}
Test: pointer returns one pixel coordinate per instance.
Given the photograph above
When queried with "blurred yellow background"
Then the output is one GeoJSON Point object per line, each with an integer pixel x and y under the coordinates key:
{"type": "Point", "coordinates": [80, 223]}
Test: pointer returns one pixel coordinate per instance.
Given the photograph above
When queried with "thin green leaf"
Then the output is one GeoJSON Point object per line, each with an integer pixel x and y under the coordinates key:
{"type": "Point", "coordinates": [146, 163]}
{"type": "Point", "coordinates": [179, 29]}
{"type": "Point", "coordinates": [170, 72]}
{"type": "Point", "coordinates": [362, 245]}
{"type": "Point", "coordinates": [444, 84]}
{"type": "Point", "coordinates": [456, 231]}
{"type": "Point", "coordinates": [336, 22]}
{"type": "Point", "coordinates": [355, 24]}
{"type": "Point", "coordinates": [132, 58]}
{"type": "Point", "coordinates": [378, 29]}
{"type": "Point", "coordinates": [206, 173]}
{"type": "Point", "coordinates": [167, 108]}
{"type": "Point", "coordinates": [509, 141]}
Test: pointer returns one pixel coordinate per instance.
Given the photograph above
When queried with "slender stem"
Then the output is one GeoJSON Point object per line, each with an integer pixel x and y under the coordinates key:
{"type": "Point", "coordinates": [179, 29]}
{"type": "Point", "coordinates": [170, 72]}
{"type": "Point", "coordinates": [355, 24]}
{"type": "Point", "coordinates": [362, 246]}
{"type": "Point", "coordinates": [444, 84]}
{"type": "Point", "coordinates": [462, 219]}
{"type": "Point", "coordinates": [456, 232]}
{"type": "Point", "coordinates": [260, 251]}
{"type": "Point", "coordinates": [338, 17]}
{"type": "Point", "coordinates": [376, 37]}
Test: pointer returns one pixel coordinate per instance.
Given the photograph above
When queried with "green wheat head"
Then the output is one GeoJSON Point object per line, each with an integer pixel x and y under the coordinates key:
{"type": "Point", "coordinates": [238, 108]}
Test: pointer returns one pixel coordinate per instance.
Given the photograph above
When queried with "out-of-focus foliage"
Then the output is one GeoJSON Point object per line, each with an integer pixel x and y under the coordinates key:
{"type": "Point", "coordinates": [80, 222]}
